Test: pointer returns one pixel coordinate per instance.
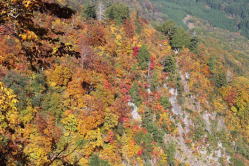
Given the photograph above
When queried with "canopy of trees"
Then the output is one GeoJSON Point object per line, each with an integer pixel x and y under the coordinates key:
{"type": "Point", "coordinates": [75, 90]}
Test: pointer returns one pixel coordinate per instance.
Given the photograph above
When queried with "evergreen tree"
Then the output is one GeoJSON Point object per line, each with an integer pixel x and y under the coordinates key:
{"type": "Point", "coordinates": [117, 12]}
{"type": "Point", "coordinates": [90, 12]}
{"type": "Point", "coordinates": [143, 57]}
{"type": "Point", "coordinates": [180, 39]}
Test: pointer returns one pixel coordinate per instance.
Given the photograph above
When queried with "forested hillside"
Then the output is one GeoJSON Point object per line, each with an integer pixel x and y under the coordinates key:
{"type": "Point", "coordinates": [215, 27]}
{"type": "Point", "coordinates": [227, 14]}
{"type": "Point", "coordinates": [94, 83]}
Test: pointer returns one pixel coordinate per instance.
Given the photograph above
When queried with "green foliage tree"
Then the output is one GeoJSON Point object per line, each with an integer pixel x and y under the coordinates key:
{"type": "Point", "coordinates": [89, 12]}
{"type": "Point", "coordinates": [143, 57]}
{"type": "Point", "coordinates": [117, 12]}
{"type": "Point", "coordinates": [194, 44]}
{"type": "Point", "coordinates": [29, 91]}
{"type": "Point", "coordinates": [18, 84]}
{"type": "Point", "coordinates": [180, 39]}
{"type": "Point", "coordinates": [244, 26]}
{"type": "Point", "coordinates": [199, 129]}
{"type": "Point", "coordinates": [52, 103]}
{"type": "Point", "coordinates": [170, 64]}
{"type": "Point", "coordinates": [134, 91]}
{"type": "Point", "coordinates": [168, 28]}
{"type": "Point", "coordinates": [219, 79]}
{"type": "Point", "coordinates": [218, 74]}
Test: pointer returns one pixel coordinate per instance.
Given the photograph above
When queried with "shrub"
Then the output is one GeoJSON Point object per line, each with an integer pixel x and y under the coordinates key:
{"type": "Point", "coordinates": [145, 140]}
{"type": "Point", "coordinates": [171, 150]}
{"type": "Point", "coordinates": [142, 138]}
{"type": "Point", "coordinates": [218, 75]}
{"type": "Point", "coordinates": [155, 82]}
{"type": "Point", "coordinates": [237, 162]}
{"type": "Point", "coordinates": [165, 102]}
{"type": "Point", "coordinates": [152, 128]}
{"type": "Point", "coordinates": [242, 148]}
{"type": "Point", "coordinates": [199, 129]}
{"type": "Point", "coordinates": [139, 27]}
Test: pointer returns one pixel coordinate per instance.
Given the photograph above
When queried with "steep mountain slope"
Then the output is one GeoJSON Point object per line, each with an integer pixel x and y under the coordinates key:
{"type": "Point", "coordinates": [84, 88]}
{"type": "Point", "coordinates": [216, 24]}
{"type": "Point", "coordinates": [226, 14]}
{"type": "Point", "coordinates": [230, 47]}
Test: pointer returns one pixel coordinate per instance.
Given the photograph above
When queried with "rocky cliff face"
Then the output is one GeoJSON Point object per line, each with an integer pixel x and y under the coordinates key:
{"type": "Point", "coordinates": [202, 154]}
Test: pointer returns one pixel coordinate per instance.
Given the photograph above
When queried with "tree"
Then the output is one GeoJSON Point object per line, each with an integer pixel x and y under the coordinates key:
{"type": "Point", "coordinates": [10, 138]}
{"type": "Point", "coordinates": [168, 28]}
{"type": "Point", "coordinates": [180, 39]}
{"type": "Point", "coordinates": [100, 10]}
{"type": "Point", "coordinates": [169, 64]}
{"type": "Point", "coordinates": [95, 35]}
{"type": "Point", "coordinates": [143, 57]}
{"type": "Point", "coordinates": [117, 12]}
{"type": "Point", "coordinates": [90, 12]}
{"type": "Point", "coordinates": [236, 94]}
{"type": "Point", "coordinates": [37, 44]}
{"type": "Point", "coordinates": [193, 44]}
{"type": "Point", "coordinates": [42, 137]}
{"type": "Point", "coordinates": [219, 79]}
{"type": "Point", "coordinates": [129, 28]}
{"type": "Point", "coordinates": [134, 92]}
{"type": "Point", "coordinates": [29, 91]}
{"type": "Point", "coordinates": [18, 83]}
{"type": "Point", "coordinates": [60, 76]}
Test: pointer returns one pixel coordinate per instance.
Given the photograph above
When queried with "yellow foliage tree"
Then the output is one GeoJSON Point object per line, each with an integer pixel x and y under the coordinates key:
{"type": "Point", "coordinates": [38, 148]}
{"type": "Point", "coordinates": [10, 131]}
{"type": "Point", "coordinates": [236, 94]}
{"type": "Point", "coordinates": [60, 76]}
{"type": "Point", "coordinates": [8, 110]}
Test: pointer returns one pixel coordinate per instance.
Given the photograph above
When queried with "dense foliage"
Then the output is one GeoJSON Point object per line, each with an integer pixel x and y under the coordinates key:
{"type": "Point", "coordinates": [79, 90]}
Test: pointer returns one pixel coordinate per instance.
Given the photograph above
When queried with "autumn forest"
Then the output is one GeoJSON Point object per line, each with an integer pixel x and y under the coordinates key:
{"type": "Point", "coordinates": [97, 83]}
